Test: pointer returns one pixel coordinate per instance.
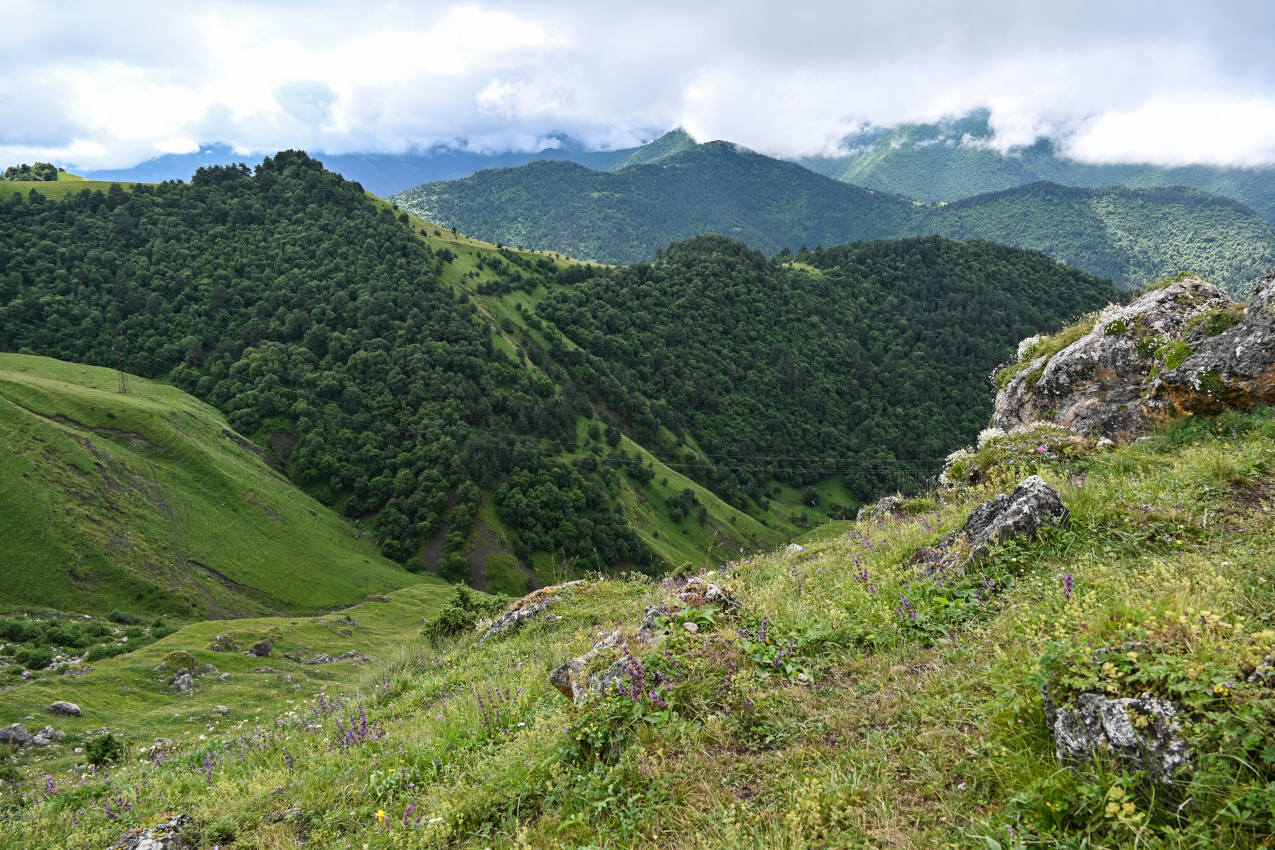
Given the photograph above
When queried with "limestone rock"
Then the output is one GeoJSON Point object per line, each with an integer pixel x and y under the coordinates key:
{"type": "Point", "coordinates": [46, 736]}
{"type": "Point", "coordinates": [1021, 514]}
{"type": "Point", "coordinates": [885, 508]}
{"type": "Point", "coordinates": [164, 836]}
{"type": "Point", "coordinates": [223, 643]}
{"type": "Point", "coordinates": [527, 608]}
{"type": "Point", "coordinates": [1116, 380]}
{"type": "Point", "coordinates": [572, 677]}
{"type": "Point", "coordinates": [16, 734]}
{"type": "Point", "coordinates": [263, 647]}
{"type": "Point", "coordinates": [66, 709]}
{"type": "Point", "coordinates": [183, 682]}
{"type": "Point", "coordinates": [1141, 733]}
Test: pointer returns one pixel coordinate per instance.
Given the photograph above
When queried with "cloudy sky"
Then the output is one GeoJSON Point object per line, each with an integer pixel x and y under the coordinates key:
{"type": "Point", "coordinates": [101, 85]}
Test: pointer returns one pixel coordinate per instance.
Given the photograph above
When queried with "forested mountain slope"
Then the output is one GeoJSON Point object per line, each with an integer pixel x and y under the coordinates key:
{"type": "Point", "coordinates": [863, 362]}
{"type": "Point", "coordinates": [1128, 235]}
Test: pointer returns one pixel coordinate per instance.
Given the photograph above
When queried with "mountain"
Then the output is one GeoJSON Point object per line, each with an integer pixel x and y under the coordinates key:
{"type": "Point", "coordinates": [386, 173]}
{"type": "Point", "coordinates": [435, 389]}
{"type": "Point", "coordinates": [147, 501]}
{"type": "Point", "coordinates": [628, 215]}
{"type": "Point", "coordinates": [1128, 235]}
{"type": "Point", "coordinates": [955, 159]}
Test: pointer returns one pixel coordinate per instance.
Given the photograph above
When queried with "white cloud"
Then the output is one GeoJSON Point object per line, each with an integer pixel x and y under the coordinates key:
{"type": "Point", "coordinates": [104, 85]}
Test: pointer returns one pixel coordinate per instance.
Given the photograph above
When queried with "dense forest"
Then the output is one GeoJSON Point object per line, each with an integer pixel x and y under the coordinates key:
{"type": "Point", "coordinates": [1132, 236]}
{"type": "Point", "coordinates": [867, 361]}
{"type": "Point", "coordinates": [313, 319]}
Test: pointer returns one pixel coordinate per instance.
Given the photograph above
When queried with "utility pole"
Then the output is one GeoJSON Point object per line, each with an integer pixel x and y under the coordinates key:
{"type": "Point", "coordinates": [119, 361]}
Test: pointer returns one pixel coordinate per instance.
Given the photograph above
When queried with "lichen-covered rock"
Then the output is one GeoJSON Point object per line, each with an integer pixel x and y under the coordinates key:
{"type": "Point", "coordinates": [886, 507]}
{"type": "Point", "coordinates": [1182, 349]}
{"type": "Point", "coordinates": [1033, 504]}
{"type": "Point", "coordinates": [15, 734]}
{"type": "Point", "coordinates": [183, 682]}
{"type": "Point", "coordinates": [1140, 733]}
{"type": "Point", "coordinates": [572, 678]}
{"type": "Point", "coordinates": [1020, 514]}
{"type": "Point", "coordinates": [527, 608]}
{"type": "Point", "coordinates": [263, 647]}
{"type": "Point", "coordinates": [163, 836]}
{"type": "Point", "coordinates": [700, 591]}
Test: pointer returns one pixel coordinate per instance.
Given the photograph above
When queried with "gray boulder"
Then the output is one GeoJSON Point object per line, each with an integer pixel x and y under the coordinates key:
{"type": "Point", "coordinates": [183, 682]}
{"type": "Point", "coordinates": [1020, 514]}
{"type": "Point", "coordinates": [581, 676]}
{"type": "Point", "coordinates": [1141, 733]}
{"type": "Point", "coordinates": [46, 736]}
{"type": "Point", "coordinates": [16, 734]}
{"type": "Point", "coordinates": [164, 836]}
{"type": "Point", "coordinates": [66, 709]}
{"type": "Point", "coordinates": [263, 647]}
{"type": "Point", "coordinates": [1033, 504]}
{"type": "Point", "coordinates": [885, 508]}
{"type": "Point", "coordinates": [527, 608]}
{"type": "Point", "coordinates": [1184, 349]}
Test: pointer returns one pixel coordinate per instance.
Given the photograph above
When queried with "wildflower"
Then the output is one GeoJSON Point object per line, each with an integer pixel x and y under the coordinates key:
{"type": "Point", "coordinates": [1067, 581]}
{"type": "Point", "coordinates": [380, 815]}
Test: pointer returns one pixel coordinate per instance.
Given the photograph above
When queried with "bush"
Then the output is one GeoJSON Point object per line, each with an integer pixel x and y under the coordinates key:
{"type": "Point", "coordinates": [35, 659]}
{"type": "Point", "coordinates": [107, 650]}
{"type": "Point", "coordinates": [123, 618]}
{"type": "Point", "coordinates": [461, 612]}
{"type": "Point", "coordinates": [104, 749]}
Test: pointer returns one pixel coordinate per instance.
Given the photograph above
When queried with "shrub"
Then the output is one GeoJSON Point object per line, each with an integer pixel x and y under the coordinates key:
{"type": "Point", "coordinates": [104, 749]}
{"type": "Point", "coordinates": [35, 659]}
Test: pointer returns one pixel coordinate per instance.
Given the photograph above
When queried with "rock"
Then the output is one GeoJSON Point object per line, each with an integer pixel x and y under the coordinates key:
{"type": "Point", "coordinates": [347, 621]}
{"type": "Point", "coordinates": [16, 734]}
{"type": "Point", "coordinates": [183, 682]}
{"type": "Point", "coordinates": [1116, 381]}
{"type": "Point", "coordinates": [1033, 504]}
{"type": "Point", "coordinates": [1141, 733]}
{"type": "Point", "coordinates": [572, 679]}
{"type": "Point", "coordinates": [527, 608]}
{"type": "Point", "coordinates": [223, 643]}
{"type": "Point", "coordinates": [650, 623]}
{"type": "Point", "coordinates": [164, 836]}
{"type": "Point", "coordinates": [161, 747]}
{"type": "Point", "coordinates": [262, 648]}
{"type": "Point", "coordinates": [46, 736]}
{"type": "Point", "coordinates": [224, 677]}
{"type": "Point", "coordinates": [66, 709]}
{"type": "Point", "coordinates": [691, 627]}
{"type": "Point", "coordinates": [222, 709]}
{"type": "Point", "coordinates": [885, 508]}
{"type": "Point", "coordinates": [796, 547]}
{"type": "Point", "coordinates": [699, 591]}
{"type": "Point", "coordinates": [1020, 514]}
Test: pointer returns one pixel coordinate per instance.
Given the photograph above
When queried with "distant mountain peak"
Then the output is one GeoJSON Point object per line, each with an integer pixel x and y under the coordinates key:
{"type": "Point", "coordinates": [673, 142]}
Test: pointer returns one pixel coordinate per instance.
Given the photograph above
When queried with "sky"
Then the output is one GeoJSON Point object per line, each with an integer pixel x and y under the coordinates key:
{"type": "Point", "coordinates": [105, 85]}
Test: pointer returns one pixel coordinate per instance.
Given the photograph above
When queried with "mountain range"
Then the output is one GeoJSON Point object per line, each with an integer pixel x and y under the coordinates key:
{"type": "Point", "coordinates": [627, 215]}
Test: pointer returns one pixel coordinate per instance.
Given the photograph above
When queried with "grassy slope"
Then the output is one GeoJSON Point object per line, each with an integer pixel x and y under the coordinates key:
{"type": "Point", "coordinates": [59, 188]}
{"type": "Point", "coordinates": [139, 501]}
{"type": "Point", "coordinates": [917, 733]}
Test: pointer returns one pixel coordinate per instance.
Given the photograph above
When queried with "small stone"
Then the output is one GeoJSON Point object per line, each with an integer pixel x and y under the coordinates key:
{"type": "Point", "coordinates": [691, 627]}
{"type": "Point", "coordinates": [803, 677]}
{"type": "Point", "coordinates": [222, 709]}
{"type": "Point", "coordinates": [224, 677]}
{"type": "Point", "coordinates": [796, 547]}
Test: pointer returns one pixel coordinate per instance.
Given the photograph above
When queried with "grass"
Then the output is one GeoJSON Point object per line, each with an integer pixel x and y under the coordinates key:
{"type": "Point", "coordinates": [58, 189]}
{"type": "Point", "coordinates": [848, 724]}
{"type": "Point", "coordinates": [148, 502]}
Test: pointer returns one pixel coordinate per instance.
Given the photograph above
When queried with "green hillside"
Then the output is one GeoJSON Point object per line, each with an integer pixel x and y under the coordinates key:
{"type": "Point", "coordinates": [850, 702]}
{"type": "Point", "coordinates": [1128, 235]}
{"type": "Point", "coordinates": [147, 501]}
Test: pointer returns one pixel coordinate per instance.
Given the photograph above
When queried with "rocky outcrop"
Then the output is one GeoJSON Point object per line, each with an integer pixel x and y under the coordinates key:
{"type": "Point", "coordinates": [1020, 514]}
{"type": "Point", "coordinates": [886, 508]}
{"type": "Point", "coordinates": [16, 734]}
{"type": "Point", "coordinates": [527, 608]}
{"type": "Point", "coordinates": [1183, 349]}
{"type": "Point", "coordinates": [263, 647]}
{"type": "Point", "coordinates": [64, 708]}
{"type": "Point", "coordinates": [600, 669]}
{"type": "Point", "coordinates": [579, 677]}
{"type": "Point", "coordinates": [164, 836]}
{"type": "Point", "coordinates": [1140, 733]}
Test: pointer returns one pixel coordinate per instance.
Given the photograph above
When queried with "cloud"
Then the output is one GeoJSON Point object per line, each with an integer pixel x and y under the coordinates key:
{"type": "Point", "coordinates": [105, 85]}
